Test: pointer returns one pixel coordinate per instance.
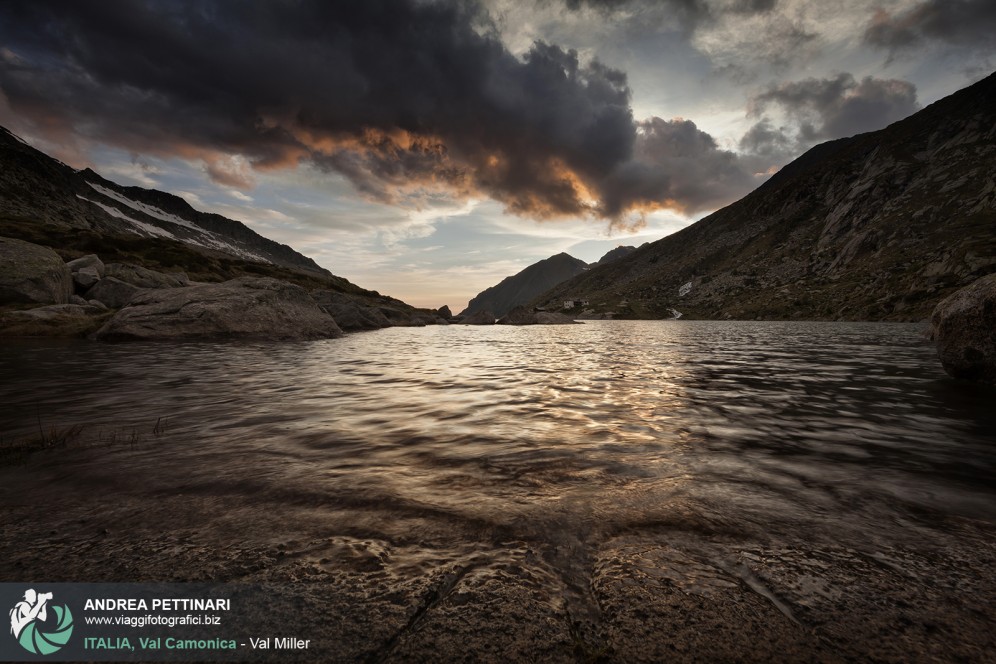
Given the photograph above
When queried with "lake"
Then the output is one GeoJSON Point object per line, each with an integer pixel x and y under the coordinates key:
{"type": "Point", "coordinates": [578, 473]}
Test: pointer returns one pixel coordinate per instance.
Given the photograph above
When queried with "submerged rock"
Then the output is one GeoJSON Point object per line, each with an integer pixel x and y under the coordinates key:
{"type": "Point", "coordinates": [32, 273]}
{"type": "Point", "coordinates": [963, 327]}
{"type": "Point", "coordinates": [245, 308]}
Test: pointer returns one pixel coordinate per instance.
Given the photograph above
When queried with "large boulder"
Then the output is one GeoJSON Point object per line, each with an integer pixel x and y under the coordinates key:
{"type": "Point", "coordinates": [88, 261]}
{"type": "Point", "coordinates": [31, 273]}
{"type": "Point", "coordinates": [348, 313]}
{"type": "Point", "coordinates": [86, 271]}
{"type": "Point", "coordinates": [112, 292]}
{"type": "Point", "coordinates": [245, 308]}
{"type": "Point", "coordinates": [146, 278]}
{"type": "Point", "coordinates": [85, 278]}
{"type": "Point", "coordinates": [963, 326]}
{"type": "Point", "coordinates": [479, 318]}
{"type": "Point", "coordinates": [444, 312]}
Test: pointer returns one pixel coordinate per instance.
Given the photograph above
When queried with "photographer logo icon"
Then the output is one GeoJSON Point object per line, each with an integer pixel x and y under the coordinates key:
{"type": "Point", "coordinates": [31, 626]}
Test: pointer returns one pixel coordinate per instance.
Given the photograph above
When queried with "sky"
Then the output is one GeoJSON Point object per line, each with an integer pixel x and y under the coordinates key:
{"type": "Point", "coordinates": [428, 149]}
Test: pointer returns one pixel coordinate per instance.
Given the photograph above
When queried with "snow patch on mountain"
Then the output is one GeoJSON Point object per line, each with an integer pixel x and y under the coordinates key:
{"type": "Point", "coordinates": [200, 237]}
{"type": "Point", "coordinates": [118, 214]}
{"type": "Point", "coordinates": [150, 210]}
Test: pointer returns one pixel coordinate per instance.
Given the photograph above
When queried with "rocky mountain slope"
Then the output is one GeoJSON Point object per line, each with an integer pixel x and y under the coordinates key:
{"type": "Point", "coordinates": [148, 240]}
{"type": "Point", "coordinates": [615, 254]}
{"type": "Point", "coordinates": [879, 226]}
{"type": "Point", "coordinates": [522, 287]}
{"type": "Point", "coordinates": [38, 189]}
{"type": "Point", "coordinates": [76, 213]}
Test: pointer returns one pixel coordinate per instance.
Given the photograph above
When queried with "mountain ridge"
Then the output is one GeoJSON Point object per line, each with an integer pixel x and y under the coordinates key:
{"type": "Point", "coordinates": [38, 189]}
{"type": "Point", "coordinates": [878, 226]}
{"type": "Point", "coordinates": [520, 288]}
{"type": "Point", "coordinates": [525, 285]}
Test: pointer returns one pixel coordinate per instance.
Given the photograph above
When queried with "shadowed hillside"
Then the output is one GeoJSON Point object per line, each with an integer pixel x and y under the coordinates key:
{"type": "Point", "coordinates": [879, 226]}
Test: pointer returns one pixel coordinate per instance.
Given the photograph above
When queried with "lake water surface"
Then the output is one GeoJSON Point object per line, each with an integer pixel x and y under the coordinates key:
{"type": "Point", "coordinates": [560, 437]}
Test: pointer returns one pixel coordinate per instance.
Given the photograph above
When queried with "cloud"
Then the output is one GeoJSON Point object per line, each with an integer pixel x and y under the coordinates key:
{"type": "Point", "coordinates": [232, 171]}
{"type": "Point", "coordinates": [764, 139]}
{"type": "Point", "coordinates": [829, 108]}
{"type": "Point", "coordinates": [402, 98]}
{"type": "Point", "coordinates": [676, 161]}
{"type": "Point", "coordinates": [191, 198]}
{"type": "Point", "coordinates": [238, 195]}
{"type": "Point", "coordinates": [816, 110]}
{"type": "Point", "coordinates": [732, 33]}
{"type": "Point", "coordinates": [961, 22]}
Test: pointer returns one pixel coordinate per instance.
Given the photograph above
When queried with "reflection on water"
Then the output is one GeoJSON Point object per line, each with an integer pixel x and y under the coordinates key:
{"type": "Point", "coordinates": [840, 432]}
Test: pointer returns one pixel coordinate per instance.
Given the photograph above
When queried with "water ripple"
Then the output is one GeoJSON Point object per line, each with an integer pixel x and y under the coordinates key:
{"type": "Point", "coordinates": [836, 430]}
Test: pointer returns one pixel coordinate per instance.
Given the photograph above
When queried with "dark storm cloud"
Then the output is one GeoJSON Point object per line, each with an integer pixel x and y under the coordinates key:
{"type": "Point", "coordinates": [677, 159]}
{"type": "Point", "coordinates": [831, 108]}
{"type": "Point", "coordinates": [962, 22]}
{"type": "Point", "coordinates": [396, 96]}
{"type": "Point", "coordinates": [764, 139]}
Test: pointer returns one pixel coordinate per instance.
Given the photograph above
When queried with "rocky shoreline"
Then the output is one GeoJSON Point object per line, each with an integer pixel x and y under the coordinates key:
{"type": "Point", "coordinates": [42, 296]}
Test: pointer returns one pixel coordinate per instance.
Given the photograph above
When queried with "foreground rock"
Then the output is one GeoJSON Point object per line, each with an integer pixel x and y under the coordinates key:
{"type": "Point", "coordinates": [32, 273]}
{"type": "Point", "coordinates": [245, 308]}
{"type": "Point", "coordinates": [647, 596]}
{"type": "Point", "coordinates": [963, 326]}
